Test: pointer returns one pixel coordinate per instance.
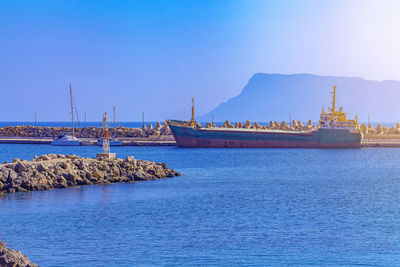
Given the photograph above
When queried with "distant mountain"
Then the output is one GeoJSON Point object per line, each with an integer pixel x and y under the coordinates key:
{"type": "Point", "coordinates": [274, 96]}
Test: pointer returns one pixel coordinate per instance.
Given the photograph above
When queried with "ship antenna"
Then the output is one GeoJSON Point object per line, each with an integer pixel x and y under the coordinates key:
{"type": "Point", "coordinates": [333, 98]}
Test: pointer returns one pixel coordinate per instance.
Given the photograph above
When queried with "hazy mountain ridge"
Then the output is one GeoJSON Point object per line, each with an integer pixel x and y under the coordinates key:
{"type": "Point", "coordinates": [275, 96]}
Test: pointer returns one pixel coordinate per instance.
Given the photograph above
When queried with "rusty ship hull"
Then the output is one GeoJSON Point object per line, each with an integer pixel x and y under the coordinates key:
{"type": "Point", "coordinates": [188, 136]}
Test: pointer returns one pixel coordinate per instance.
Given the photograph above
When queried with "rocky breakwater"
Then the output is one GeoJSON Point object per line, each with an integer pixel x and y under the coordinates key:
{"type": "Point", "coordinates": [273, 125]}
{"type": "Point", "coordinates": [86, 132]}
{"type": "Point", "coordinates": [62, 171]}
{"type": "Point", "coordinates": [380, 132]}
{"type": "Point", "coordinates": [12, 258]}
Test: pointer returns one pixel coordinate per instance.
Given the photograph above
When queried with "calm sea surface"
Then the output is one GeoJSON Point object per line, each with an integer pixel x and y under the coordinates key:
{"type": "Point", "coordinates": [232, 207]}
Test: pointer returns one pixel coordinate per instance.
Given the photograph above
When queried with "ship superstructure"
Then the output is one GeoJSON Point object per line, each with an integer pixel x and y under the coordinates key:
{"type": "Point", "coordinates": [336, 119]}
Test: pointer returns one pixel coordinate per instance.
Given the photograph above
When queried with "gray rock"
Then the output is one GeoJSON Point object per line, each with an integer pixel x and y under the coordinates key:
{"type": "Point", "coordinates": [143, 176]}
{"type": "Point", "coordinates": [12, 175]}
{"type": "Point", "coordinates": [20, 167]}
{"type": "Point", "coordinates": [3, 175]}
{"type": "Point", "coordinates": [69, 176]}
{"type": "Point", "coordinates": [130, 158]}
{"type": "Point", "coordinates": [61, 182]}
{"type": "Point", "coordinates": [79, 164]}
{"type": "Point", "coordinates": [45, 157]}
{"type": "Point", "coordinates": [10, 258]}
{"type": "Point", "coordinates": [41, 168]}
{"type": "Point", "coordinates": [98, 174]}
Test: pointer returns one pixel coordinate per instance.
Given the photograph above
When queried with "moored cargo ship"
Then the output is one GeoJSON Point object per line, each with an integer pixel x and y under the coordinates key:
{"type": "Point", "coordinates": [334, 131]}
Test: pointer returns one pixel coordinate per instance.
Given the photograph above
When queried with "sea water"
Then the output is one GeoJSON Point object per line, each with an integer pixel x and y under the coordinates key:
{"type": "Point", "coordinates": [231, 207]}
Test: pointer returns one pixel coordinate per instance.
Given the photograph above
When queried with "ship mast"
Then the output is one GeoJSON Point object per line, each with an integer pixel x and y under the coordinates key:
{"type": "Point", "coordinates": [192, 122]}
{"type": "Point", "coordinates": [333, 99]}
{"type": "Point", "coordinates": [72, 110]}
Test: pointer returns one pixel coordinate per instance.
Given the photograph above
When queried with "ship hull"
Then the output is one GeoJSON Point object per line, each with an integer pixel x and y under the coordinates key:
{"type": "Point", "coordinates": [244, 138]}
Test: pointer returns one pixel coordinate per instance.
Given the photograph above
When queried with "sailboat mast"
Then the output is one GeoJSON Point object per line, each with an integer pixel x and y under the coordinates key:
{"type": "Point", "coordinates": [114, 115]}
{"type": "Point", "coordinates": [72, 110]}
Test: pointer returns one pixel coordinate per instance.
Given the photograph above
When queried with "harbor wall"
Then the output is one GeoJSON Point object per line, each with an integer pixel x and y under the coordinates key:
{"type": "Point", "coordinates": [86, 132]}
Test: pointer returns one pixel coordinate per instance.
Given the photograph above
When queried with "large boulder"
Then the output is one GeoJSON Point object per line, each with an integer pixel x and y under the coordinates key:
{"type": "Point", "coordinates": [363, 129]}
{"type": "Point", "coordinates": [20, 167]}
{"type": "Point", "coordinates": [227, 124]}
{"type": "Point", "coordinates": [379, 129]}
{"type": "Point", "coordinates": [158, 126]}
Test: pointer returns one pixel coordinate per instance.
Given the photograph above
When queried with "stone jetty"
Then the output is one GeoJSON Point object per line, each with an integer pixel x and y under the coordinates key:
{"type": "Point", "coordinates": [86, 132]}
{"type": "Point", "coordinates": [13, 258]}
{"type": "Point", "coordinates": [62, 171]}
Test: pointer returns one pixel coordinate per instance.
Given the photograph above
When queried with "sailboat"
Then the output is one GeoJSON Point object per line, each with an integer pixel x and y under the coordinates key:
{"type": "Point", "coordinates": [68, 140]}
{"type": "Point", "coordinates": [112, 141]}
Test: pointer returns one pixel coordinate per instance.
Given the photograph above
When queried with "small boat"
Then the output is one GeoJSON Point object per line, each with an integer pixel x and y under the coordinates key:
{"type": "Point", "coordinates": [113, 142]}
{"type": "Point", "coordinates": [66, 140]}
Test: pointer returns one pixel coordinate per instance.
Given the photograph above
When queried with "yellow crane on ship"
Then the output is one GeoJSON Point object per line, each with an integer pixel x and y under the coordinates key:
{"type": "Point", "coordinates": [339, 114]}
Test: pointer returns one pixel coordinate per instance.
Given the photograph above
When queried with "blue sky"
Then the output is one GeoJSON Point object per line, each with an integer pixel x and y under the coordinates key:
{"type": "Point", "coordinates": [153, 56]}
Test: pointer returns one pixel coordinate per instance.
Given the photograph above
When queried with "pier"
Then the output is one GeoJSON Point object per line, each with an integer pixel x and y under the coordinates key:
{"type": "Point", "coordinates": [381, 143]}
{"type": "Point", "coordinates": [89, 141]}
{"type": "Point", "coordinates": [16, 140]}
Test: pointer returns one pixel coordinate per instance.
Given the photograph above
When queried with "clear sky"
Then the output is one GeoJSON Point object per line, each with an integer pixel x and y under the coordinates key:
{"type": "Point", "coordinates": [153, 56]}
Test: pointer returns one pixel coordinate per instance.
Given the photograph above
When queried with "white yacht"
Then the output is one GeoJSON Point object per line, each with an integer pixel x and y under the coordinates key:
{"type": "Point", "coordinates": [66, 140]}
